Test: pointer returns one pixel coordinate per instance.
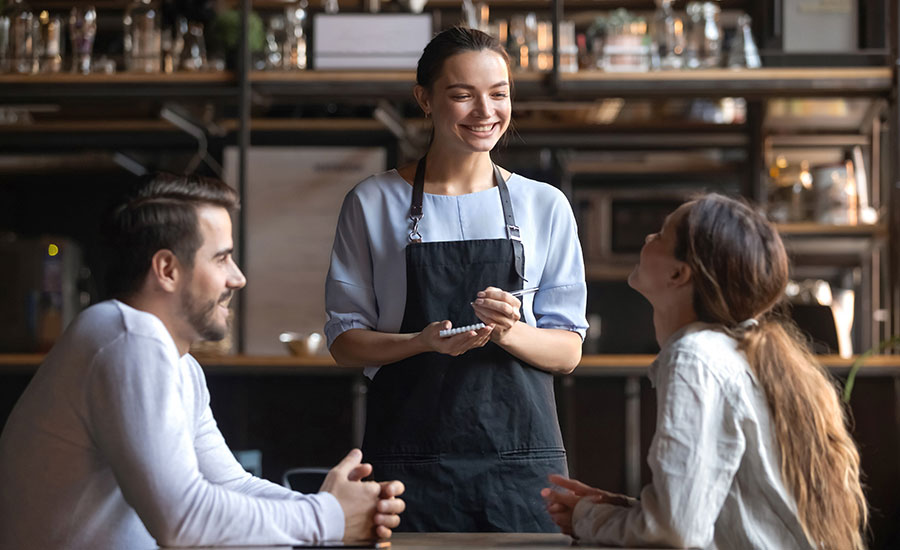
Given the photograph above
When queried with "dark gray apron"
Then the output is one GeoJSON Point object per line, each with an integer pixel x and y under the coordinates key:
{"type": "Point", "coordinates": [472, 437]}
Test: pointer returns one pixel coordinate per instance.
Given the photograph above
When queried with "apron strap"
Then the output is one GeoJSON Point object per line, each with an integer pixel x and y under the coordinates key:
{"type": "Point", "coordinates": [512, 230]}
{"type": "Point", "coordinates": [416, 214]}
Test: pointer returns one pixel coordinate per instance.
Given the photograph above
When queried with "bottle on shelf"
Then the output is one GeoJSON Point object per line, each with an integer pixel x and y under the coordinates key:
{"type": "Point", "coordinates": [21, 54]}
{"type": "Point", "coordinates": [143, 37]}
{"type": "Point", "coordinates": [743, 53]}
{"type": "Point", "coordinates": [193, 51]}
{"type": "Point", "coordinates": [82, 30]}
{"type": "Point", "coordinates": [668, 37]}
{"type": "Point", "coordinates": [703, 48]}
{"type": "Point", "coordinates": [49, 42]}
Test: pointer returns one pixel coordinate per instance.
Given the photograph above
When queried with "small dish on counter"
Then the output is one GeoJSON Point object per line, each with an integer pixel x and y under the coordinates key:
{"type": "Point", "coordinates": [303, 344]}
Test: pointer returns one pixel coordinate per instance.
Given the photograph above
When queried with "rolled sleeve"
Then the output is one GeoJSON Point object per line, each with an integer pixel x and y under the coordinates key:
{"type": "Point", "coordinates": [349, 306]}
{"type": "Point", "coordinates": [349, 293]}
{"type": "Point", "coordinates": [562, 307]}
{"type": "Point", "coordinates": [562, 300]}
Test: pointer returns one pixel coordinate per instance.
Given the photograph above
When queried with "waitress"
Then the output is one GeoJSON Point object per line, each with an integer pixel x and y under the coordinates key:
{"type": "Point", "coordinates": [468, 422]}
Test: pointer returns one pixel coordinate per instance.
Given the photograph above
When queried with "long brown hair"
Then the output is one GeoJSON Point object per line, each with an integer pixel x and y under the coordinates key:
{"type": "Point", "coordinates": [740, 271]}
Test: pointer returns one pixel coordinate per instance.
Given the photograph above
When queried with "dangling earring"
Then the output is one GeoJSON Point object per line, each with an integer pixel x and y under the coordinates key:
{"type": "Point", "coordinates": [427, 114]}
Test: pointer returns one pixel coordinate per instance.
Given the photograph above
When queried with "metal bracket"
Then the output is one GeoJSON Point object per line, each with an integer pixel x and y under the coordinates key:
{"type": "Point", "coordinates": [408, 139]}
{"type": "Point", "coordinates": [198, 131]}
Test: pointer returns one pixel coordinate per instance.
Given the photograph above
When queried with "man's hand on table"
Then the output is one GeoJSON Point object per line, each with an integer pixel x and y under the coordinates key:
{"type": "Point", "coordinates": [561, 504]}
{"type": "Point", "coordinates": [370, 508]}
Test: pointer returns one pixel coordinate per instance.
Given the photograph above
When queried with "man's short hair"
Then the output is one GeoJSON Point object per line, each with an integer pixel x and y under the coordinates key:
{"type": "Point", "coordinates": [160, 214]}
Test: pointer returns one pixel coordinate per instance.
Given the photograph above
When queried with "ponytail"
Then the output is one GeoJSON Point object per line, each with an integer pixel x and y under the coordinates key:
{"type": "Point", "coordinates": [819, 460]}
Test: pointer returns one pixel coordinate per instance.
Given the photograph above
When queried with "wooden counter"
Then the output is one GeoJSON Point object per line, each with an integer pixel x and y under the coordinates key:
{"type": "Point", "coordinates": [591, 365]}
{"type": "Point", "coordinates": [465, 541]}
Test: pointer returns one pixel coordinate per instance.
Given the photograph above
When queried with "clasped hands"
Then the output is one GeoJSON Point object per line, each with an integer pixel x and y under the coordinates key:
{"type": "Point", "coordinates": [370, 508]}
{"type": "Point", "coordinates": [496, 308]}
{"type": "Point", "coordinates": [561, 503]}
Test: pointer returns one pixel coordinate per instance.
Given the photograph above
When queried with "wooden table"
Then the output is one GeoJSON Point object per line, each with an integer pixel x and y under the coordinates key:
{"type": "Point", "coordinates": [463, 541]}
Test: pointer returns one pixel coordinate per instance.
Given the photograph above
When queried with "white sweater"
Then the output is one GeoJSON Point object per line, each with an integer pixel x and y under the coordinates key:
{"type": "Point", "coordinates": [714, 458]}
{"type": "Point", "coordinates": [113, 445]}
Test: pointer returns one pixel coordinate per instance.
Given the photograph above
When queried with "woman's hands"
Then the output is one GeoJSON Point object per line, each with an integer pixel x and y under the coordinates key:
{"type": "Point", "coordinates": [499, 309]}
{"type": "Point", "coordinates": [561, 504]}
{"type": "Point", "coordinates": [454, 345]}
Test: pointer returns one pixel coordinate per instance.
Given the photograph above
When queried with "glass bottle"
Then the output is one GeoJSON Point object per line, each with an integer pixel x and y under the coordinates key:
{"type": "Point", "coordinates": [4, 43]}
{"type": "Point", "coordinates": [50, 44]}
{"type": "Point", "coordinates": [668, 37]}
{"type": "Point", "coordinates": [22, 38]}
{"type": "Point", "coordinates": [295, 44]}
{"type": "Point", "coordinates": [193, 53]}
{"type": "Point", "coordinates": [143, 37]}
{"type": "Point", "coordinates": [743, 52]}
{"type": "Point", "coordinates": [712, 36]}
{"type": "Point", "coordinates": [82, 30]}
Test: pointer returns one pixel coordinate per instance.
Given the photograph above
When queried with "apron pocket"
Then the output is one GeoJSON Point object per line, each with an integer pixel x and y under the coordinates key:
{"type": "Point", "coordinates": [539, 453]}
{"type": "Point", "coordinates": [404, 458]}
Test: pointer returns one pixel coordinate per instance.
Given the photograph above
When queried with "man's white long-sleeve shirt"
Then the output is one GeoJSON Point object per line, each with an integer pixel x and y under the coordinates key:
{"type": "Point", "coordinates": [715, 459]}
{"type": "Point", "coordinates": [113, 445]}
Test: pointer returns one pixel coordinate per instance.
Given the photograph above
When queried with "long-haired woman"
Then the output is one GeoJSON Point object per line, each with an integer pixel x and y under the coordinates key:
{"type": "Point", "coordinates": [751, 447]}
{"type": "Point", "coordinates": [468, 421]}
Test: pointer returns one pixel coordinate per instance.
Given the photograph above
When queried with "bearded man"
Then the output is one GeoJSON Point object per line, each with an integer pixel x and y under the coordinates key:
{"type": "Point", "coordinates": [113, 444]}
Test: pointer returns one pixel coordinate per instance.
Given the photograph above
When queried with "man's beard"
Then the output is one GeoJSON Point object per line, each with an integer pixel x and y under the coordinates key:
{"type": "Point", "coordinates": [201, 316]}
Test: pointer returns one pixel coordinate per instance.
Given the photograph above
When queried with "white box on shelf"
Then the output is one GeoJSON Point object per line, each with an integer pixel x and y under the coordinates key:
{"type": "Point", "coordinates": [370, 40]}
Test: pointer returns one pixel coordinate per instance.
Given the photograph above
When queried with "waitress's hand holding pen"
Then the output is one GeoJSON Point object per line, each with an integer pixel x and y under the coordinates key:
{"type": "Point", "coordinates": [499, 308]}
{"type": "Point", "coordinates": [454, 345]}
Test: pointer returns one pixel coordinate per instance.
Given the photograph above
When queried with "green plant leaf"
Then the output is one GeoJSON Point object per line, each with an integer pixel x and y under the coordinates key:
{"type": "Point", "coordinates": [854, 368]}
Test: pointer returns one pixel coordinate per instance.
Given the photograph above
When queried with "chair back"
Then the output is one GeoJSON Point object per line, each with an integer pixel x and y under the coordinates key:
{"type": "Point", "coordinates": [304, 480]}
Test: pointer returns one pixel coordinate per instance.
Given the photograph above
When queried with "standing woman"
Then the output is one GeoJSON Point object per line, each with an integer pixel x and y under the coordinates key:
{"type": "Point", "coordinates": [751, 447]}
{"type": "Point", "coordinates": [468, 422]}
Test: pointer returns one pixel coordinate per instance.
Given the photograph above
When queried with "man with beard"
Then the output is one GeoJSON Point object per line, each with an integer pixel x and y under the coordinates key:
{"type": "Point", "coordinates": [113, 444]}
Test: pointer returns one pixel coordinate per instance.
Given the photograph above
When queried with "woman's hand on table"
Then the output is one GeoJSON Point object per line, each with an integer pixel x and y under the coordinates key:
{"type": "Point", "coordinates": [456, 344]}
{"type": "Point", "coordinates": [497, 308]}
{"type": "Point", "coordinates": [370, 508]}
{"type": "Point", "coordinates": [561, 503]}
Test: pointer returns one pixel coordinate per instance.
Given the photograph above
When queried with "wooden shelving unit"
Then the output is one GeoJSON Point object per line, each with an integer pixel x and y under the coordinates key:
{"type": "Point", "coordinates": [865, 81]}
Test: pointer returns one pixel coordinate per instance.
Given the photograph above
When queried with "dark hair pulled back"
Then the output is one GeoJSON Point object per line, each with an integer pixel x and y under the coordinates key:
{"type": "Point", "coordinates": [453, 41]}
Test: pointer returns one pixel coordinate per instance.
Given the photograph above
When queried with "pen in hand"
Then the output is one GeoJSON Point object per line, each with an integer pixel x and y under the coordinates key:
{"type": "Point", "coordinates": [524, 291]}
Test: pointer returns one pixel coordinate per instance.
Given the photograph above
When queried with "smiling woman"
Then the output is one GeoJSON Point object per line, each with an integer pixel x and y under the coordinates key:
{"type": "Point", "coordinates": [468, 420]}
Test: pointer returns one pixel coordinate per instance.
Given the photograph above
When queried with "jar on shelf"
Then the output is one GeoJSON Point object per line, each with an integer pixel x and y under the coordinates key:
{"type": "Point", "coordinates": [568, 47]}
{"type": "Point", "coordinates": [627, 45]}
{"type": "Point", "coordinates": [143, 37]}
